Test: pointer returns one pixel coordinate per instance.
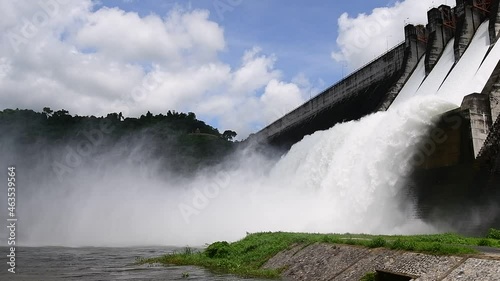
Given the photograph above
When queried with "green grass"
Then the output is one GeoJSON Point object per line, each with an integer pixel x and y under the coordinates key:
{"type": "Point", "coordinates": [494, 234]}
{"type": "Point", "coordinates": [370, 276]}
{"type": "Point", "coordinates": [246, 257]}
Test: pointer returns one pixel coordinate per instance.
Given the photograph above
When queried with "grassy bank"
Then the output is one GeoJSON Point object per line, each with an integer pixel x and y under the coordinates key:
{"type": "Point", "coordinates": [245, 257]}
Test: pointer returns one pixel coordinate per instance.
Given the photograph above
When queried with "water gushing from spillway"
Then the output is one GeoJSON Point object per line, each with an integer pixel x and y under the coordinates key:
{"type": "Point", "coordinates": [350, 178]}
{"type": "Point", "coordinates": [453, 81]}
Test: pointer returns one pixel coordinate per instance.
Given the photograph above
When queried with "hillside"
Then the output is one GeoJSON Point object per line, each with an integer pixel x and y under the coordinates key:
{"type": "Point", "coordinates": [179, 141]}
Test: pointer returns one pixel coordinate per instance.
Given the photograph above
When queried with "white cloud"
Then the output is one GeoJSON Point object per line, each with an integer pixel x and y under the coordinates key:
{"type": "Point", "coordinates": [279, 98]}
{"type": "Point", "coordinates": [5, 67]}
{"type": "Point", "coordinates": [182, 89]}
{"type": "Point", "coordinates": [67, 54]}
{"type": "Point", "coordinates": [92, 62]}
{"type": "Point", "coordinates": [255, 95]}
{"type": "Point", "coordinates": [126, 36]}
{"type": "Point", "coordinates": [367, 36]}
{"type": "Point", "coordinates": [255, 72]}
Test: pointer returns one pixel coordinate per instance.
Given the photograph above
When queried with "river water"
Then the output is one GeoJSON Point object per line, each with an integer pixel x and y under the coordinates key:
{"type": "Point", "coordinates": [60, 263]}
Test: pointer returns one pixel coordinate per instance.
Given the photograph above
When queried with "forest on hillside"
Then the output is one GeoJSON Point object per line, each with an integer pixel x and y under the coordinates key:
{"type": "Point", "coordinates": [178, 141]}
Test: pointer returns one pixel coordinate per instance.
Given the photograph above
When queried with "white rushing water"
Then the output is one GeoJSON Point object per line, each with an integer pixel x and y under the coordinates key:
{"type": "Point", "coordinates": [462, 80]}
{"type": "Point", "coordinates": [450, 81]}
{"type": "Point", "coordinates": [411, 86]}
{"type": "Point", "coordinates": [350, 178]}
{"type": "Point", "coordinates": [440, 71]}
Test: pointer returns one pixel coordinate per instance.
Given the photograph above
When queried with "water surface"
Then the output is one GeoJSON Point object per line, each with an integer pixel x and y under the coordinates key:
{"type": "Point", "coordinates": [59, 263]}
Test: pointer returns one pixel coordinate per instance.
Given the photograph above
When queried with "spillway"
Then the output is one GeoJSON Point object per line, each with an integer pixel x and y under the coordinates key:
{"type": "Point", "coordinates": [462, 80]}
{"type": "Point", "coordinates": [439, 73]}
{"type": "Point", "coordinates": [450, 81]}
{"type": "Point", "coordinates": [411, 86]}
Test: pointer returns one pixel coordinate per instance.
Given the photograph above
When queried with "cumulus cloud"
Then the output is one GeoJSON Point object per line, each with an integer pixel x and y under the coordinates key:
{"type": "Point", "coordinates": [255, 71]}
{"type": "Point", "coordinates": [91, 61]}
{"type": "Point", "coordinates": [367, 36]}
{"type": "Point", "coordinates": [68, 54]}
{"type": "Point", "coordinates": [126, 36]}
{"type": "Point", "coordinates": [279, 98]}
{"type": "Point", "coordinates": [255, 94]}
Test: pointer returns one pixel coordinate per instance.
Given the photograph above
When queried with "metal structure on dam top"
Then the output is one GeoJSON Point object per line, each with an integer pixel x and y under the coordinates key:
{"type": "Point", "coordinates": [482, 5]}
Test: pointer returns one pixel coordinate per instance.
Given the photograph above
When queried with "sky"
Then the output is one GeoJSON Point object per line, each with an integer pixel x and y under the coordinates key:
{"type": "Point", "coordinates": [237, 64]}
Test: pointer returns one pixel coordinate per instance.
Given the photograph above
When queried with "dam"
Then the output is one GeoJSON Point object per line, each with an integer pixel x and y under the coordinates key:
{"type": "Point", "coordinates": [453, 57]}
{"type": "Point", "coordinates": [340, 177]}
{"type": "Point", "coordinates": [381, 82]}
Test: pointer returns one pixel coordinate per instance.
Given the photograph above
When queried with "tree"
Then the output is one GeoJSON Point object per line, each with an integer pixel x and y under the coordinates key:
{"type": "Point", "coordinates": [229, 135]}
{"type": "Point", "coordinates": [47, 111]}
{"type": "Point", "coordinates": [113, 116]}
{"type": "Point", "coordinates": [61, 113]}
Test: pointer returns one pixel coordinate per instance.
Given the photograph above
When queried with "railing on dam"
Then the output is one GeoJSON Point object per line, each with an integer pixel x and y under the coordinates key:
{"type": "Point", "coordinates": [376, 70]}
{"type": "Point", "coordinates": [368, 63]}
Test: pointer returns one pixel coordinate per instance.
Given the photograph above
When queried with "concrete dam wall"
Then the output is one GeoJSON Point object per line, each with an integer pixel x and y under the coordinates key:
{"type": "Point", "coordinates": [375, 86]}
{"type": "Point", "coordinates": [359, 94]}
{"type": "Point", "coordinates": [456, 58]}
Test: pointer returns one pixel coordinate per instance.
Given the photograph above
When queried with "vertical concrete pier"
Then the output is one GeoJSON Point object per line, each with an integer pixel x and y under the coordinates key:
{"type": "Point", "coordinates": [493, 90]}
{"type": "Point", "coordinates": [416, 41]}
{"type": "Point", "coordinates": [479, 109]}
{"type": "Point", "coordinates": [415, 44]}
{"type": "Point", "coordinates": [440, 30]}
{"type": "Point", "coordinates": [469, 16]}
{"type": "Point", "coordinates": [494, 21]}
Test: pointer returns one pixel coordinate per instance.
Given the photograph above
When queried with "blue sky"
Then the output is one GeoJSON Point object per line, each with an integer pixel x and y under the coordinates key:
{"type": "Point", "coordinates": [301, 34]}
{"type": "Point", "coordinates": [238, 64]}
